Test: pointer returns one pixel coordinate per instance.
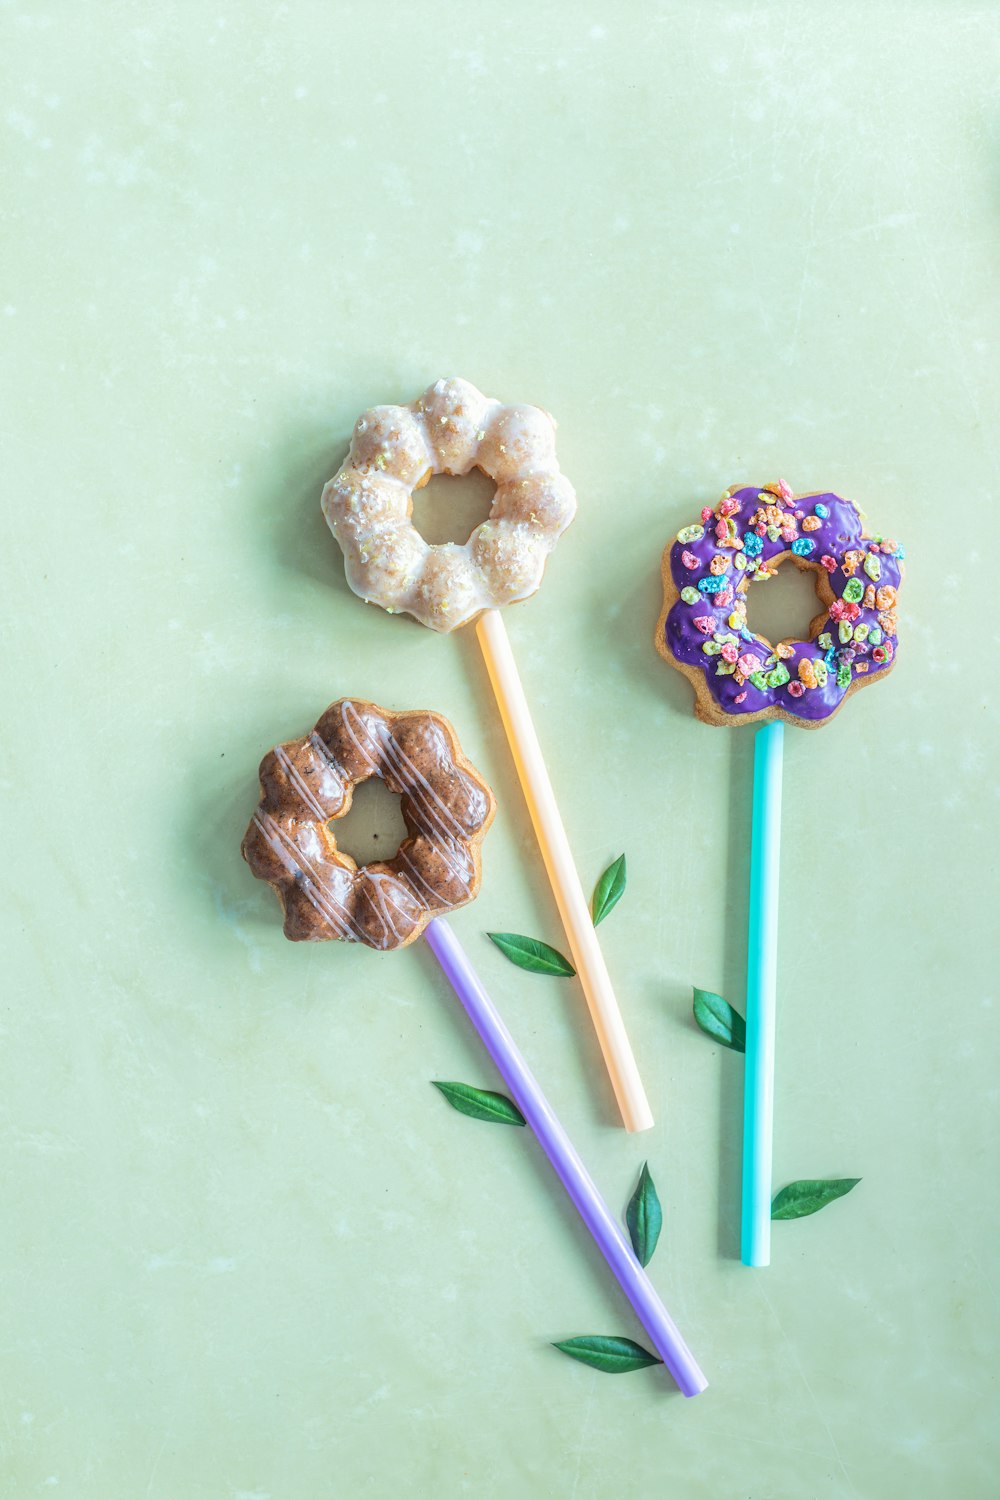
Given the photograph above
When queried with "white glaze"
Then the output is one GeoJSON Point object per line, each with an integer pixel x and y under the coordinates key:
{"type": "Point", "coordinates": [450, 429]}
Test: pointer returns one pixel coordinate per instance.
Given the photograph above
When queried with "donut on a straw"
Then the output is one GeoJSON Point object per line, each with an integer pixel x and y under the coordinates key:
{"type": "Point", "coordinates": [740, 677]}
{"type": "Point", "coordinates": [447, 807]}
{"type": "Point", "coordinates": [451, 429]}
{"type": "Point", "coordinates": [307, 783]}
{"type": "Point", "coordinates": [708, 572]}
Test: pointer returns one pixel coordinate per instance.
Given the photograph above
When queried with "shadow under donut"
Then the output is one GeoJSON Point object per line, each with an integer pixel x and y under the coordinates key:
{"type": "Point", "coordinates": [288, 520]}
{"type": "Point", "coordinates": [222, 794]}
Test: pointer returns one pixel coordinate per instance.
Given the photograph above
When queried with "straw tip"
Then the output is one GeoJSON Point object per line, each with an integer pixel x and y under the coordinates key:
{"type": "Point", "coordinates": [756, 1259]}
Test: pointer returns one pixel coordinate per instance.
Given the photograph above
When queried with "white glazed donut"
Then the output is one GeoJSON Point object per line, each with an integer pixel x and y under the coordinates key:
{"type": "Point", "coordinates": [450, 429]}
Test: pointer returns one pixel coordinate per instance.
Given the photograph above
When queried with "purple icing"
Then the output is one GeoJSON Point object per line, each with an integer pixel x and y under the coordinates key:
{"type": "Point", "coordinates": [834, 535]}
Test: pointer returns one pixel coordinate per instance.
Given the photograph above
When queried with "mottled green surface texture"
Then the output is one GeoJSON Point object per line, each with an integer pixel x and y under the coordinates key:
{"type": "Point", "coordinates": [249, 1253]}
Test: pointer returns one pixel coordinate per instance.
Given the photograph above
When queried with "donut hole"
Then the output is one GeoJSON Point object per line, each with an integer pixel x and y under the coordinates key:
{"type": "Point", "coordinates": [451, 506]}
{"type": "Point", "coordinates": [373, 829]}
{"type": "Point", "coordinates": [781, 608]}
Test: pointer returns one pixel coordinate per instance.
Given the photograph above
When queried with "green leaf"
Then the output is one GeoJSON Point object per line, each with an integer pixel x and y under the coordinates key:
{"type": "Point", "coordinates": [718, 1020]}
{"type": "Point", "coordinates": [615, 1356]}
{"type": "Point", "coordinates": [531, 954]}
{"type": "Point", "coordinates": [644, 1217]}
{"type": "Point", "coordinates": [480, 1104]}
{"type": "Point", "coordinates": [808, 1196]}
{"type": "Point", "coordinates": [609, 890]}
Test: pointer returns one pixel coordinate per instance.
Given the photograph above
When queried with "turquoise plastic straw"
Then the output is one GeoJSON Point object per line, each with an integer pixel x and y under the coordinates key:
{"type": "Point", "coordinates": [762, 973]}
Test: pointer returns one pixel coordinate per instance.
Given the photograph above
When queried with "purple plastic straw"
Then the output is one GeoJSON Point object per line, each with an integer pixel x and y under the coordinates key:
{"type": "Point", "coordinates": [570, 1169]}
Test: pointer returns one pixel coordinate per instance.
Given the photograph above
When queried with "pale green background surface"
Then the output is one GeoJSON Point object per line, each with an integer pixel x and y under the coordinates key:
{"type": "Point", "coordinates": [249, 1253]}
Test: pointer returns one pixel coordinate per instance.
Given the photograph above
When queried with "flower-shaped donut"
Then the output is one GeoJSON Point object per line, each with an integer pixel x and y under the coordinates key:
{"type": "Point", "coordinates": [446, 806]}
{"type": "Point", "coordinates": [740, 677]}
{"type": "Point", "coordinates": [450, 429]}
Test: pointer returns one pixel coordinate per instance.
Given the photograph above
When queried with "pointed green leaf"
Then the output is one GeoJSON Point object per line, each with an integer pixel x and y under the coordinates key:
{"type": "Point", "coordinates": [718, 1020]}
{"type": "Point", "coordinates": [808, 1196]}
{"type": "Point", "coordinates": [609, 889]}
{"type": "Point", "coordinates": [531, 954]}
{"type": "Point", "coordinates": [615, 1356]}
{"type": "Point", "coordinates": [480, 1104]}
{"type": "Point", "coordinates": [644, 1217]}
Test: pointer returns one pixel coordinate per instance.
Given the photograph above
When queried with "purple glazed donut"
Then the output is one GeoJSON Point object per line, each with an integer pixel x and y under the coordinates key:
{"type": "Point", "coordinates": [741, 678]}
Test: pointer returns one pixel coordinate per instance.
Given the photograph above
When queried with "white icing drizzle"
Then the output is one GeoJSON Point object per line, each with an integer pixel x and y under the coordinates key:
{"type": "Point", "coordinates": [307, 877]}
{"type": "Point", "coordinates": [435, 897]}
{"type": "Point", "coordinates": [387, 895]}
{"type": "Point", "coordinates": [378, 882]}
{"type": "Point", "coordinates": [299, 782]}
{"type": "Point", "coordinates": [435, 814]}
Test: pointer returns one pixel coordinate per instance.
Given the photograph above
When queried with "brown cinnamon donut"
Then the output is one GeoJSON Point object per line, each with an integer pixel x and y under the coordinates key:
{"type": "Point", "coordinates": [307, 783]}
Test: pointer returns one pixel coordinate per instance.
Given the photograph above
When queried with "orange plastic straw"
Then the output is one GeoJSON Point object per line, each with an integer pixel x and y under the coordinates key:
{"type": "Point", "coordinates": [576, 918]}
